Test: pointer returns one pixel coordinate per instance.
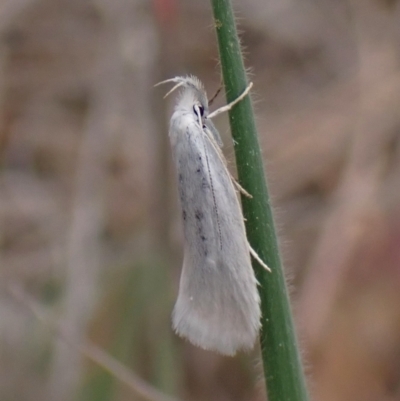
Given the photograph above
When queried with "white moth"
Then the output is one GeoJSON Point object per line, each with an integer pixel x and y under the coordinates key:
{"type": "Point", "coordinates": [218, 306]}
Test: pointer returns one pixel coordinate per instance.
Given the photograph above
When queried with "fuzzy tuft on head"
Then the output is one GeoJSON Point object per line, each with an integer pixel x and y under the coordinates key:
{"type": "Point", "coordinates": [189, 81]}
{"type": "Point", "coordinates": [192, 93]}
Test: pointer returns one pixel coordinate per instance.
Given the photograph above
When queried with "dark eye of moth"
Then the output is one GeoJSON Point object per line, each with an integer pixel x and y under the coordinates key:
{"type": "Point", "coordinates": [200, 109]}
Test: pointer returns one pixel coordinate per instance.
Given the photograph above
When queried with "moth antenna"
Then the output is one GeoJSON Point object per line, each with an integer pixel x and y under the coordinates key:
{"type": "Point", "coordinates": [174, 88]}
{"type": "Point", "coordinates": [213, 195]}
{"type": "Point", "coordinates": [176, 79]}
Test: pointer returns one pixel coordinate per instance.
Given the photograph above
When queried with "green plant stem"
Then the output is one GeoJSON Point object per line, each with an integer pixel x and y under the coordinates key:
{"type": "Point", "coordinates": [282, 365]}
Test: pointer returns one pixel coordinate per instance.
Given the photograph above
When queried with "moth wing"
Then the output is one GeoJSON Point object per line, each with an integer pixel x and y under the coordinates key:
{"type": "Point", "coordinates": [218, 303]}
{"type": "Point", "coordinates": [217, 137]}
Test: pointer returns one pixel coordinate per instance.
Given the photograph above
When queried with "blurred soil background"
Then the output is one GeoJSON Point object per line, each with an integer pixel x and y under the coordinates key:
{"type": "Point", "coordinates": [90, 230]}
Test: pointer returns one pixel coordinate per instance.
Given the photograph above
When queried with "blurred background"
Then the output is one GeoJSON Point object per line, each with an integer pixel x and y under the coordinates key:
{"type": "Point", "coordinates": [90, 230]}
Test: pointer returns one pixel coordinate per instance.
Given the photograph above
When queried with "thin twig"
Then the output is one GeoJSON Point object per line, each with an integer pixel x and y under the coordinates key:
{"type": "Point", "coordinates": [90, 350]}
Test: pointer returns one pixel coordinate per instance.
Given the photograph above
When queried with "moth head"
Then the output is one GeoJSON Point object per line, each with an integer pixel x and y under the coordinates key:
{"type": "Point", "coordinates": [193, 97]}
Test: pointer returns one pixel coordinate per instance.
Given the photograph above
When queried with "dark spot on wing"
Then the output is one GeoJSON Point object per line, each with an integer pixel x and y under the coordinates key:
{"type": "Point", "coordinates": [199, 215]}
{"type": "Point", "coordinates": [184, 215]}
{"type": "Point", "coordinates": [204, 183]}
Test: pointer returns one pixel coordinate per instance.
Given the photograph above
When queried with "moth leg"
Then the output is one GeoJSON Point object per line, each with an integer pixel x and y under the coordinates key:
{"type": "Point", "coordinates": [230, 105]}
{"type": "Point", "coordinates": [240, 188]}
{"type": "Point", "coordinates": [258, 259]}
{"type": "Point", "coordinates": [210, 102]}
